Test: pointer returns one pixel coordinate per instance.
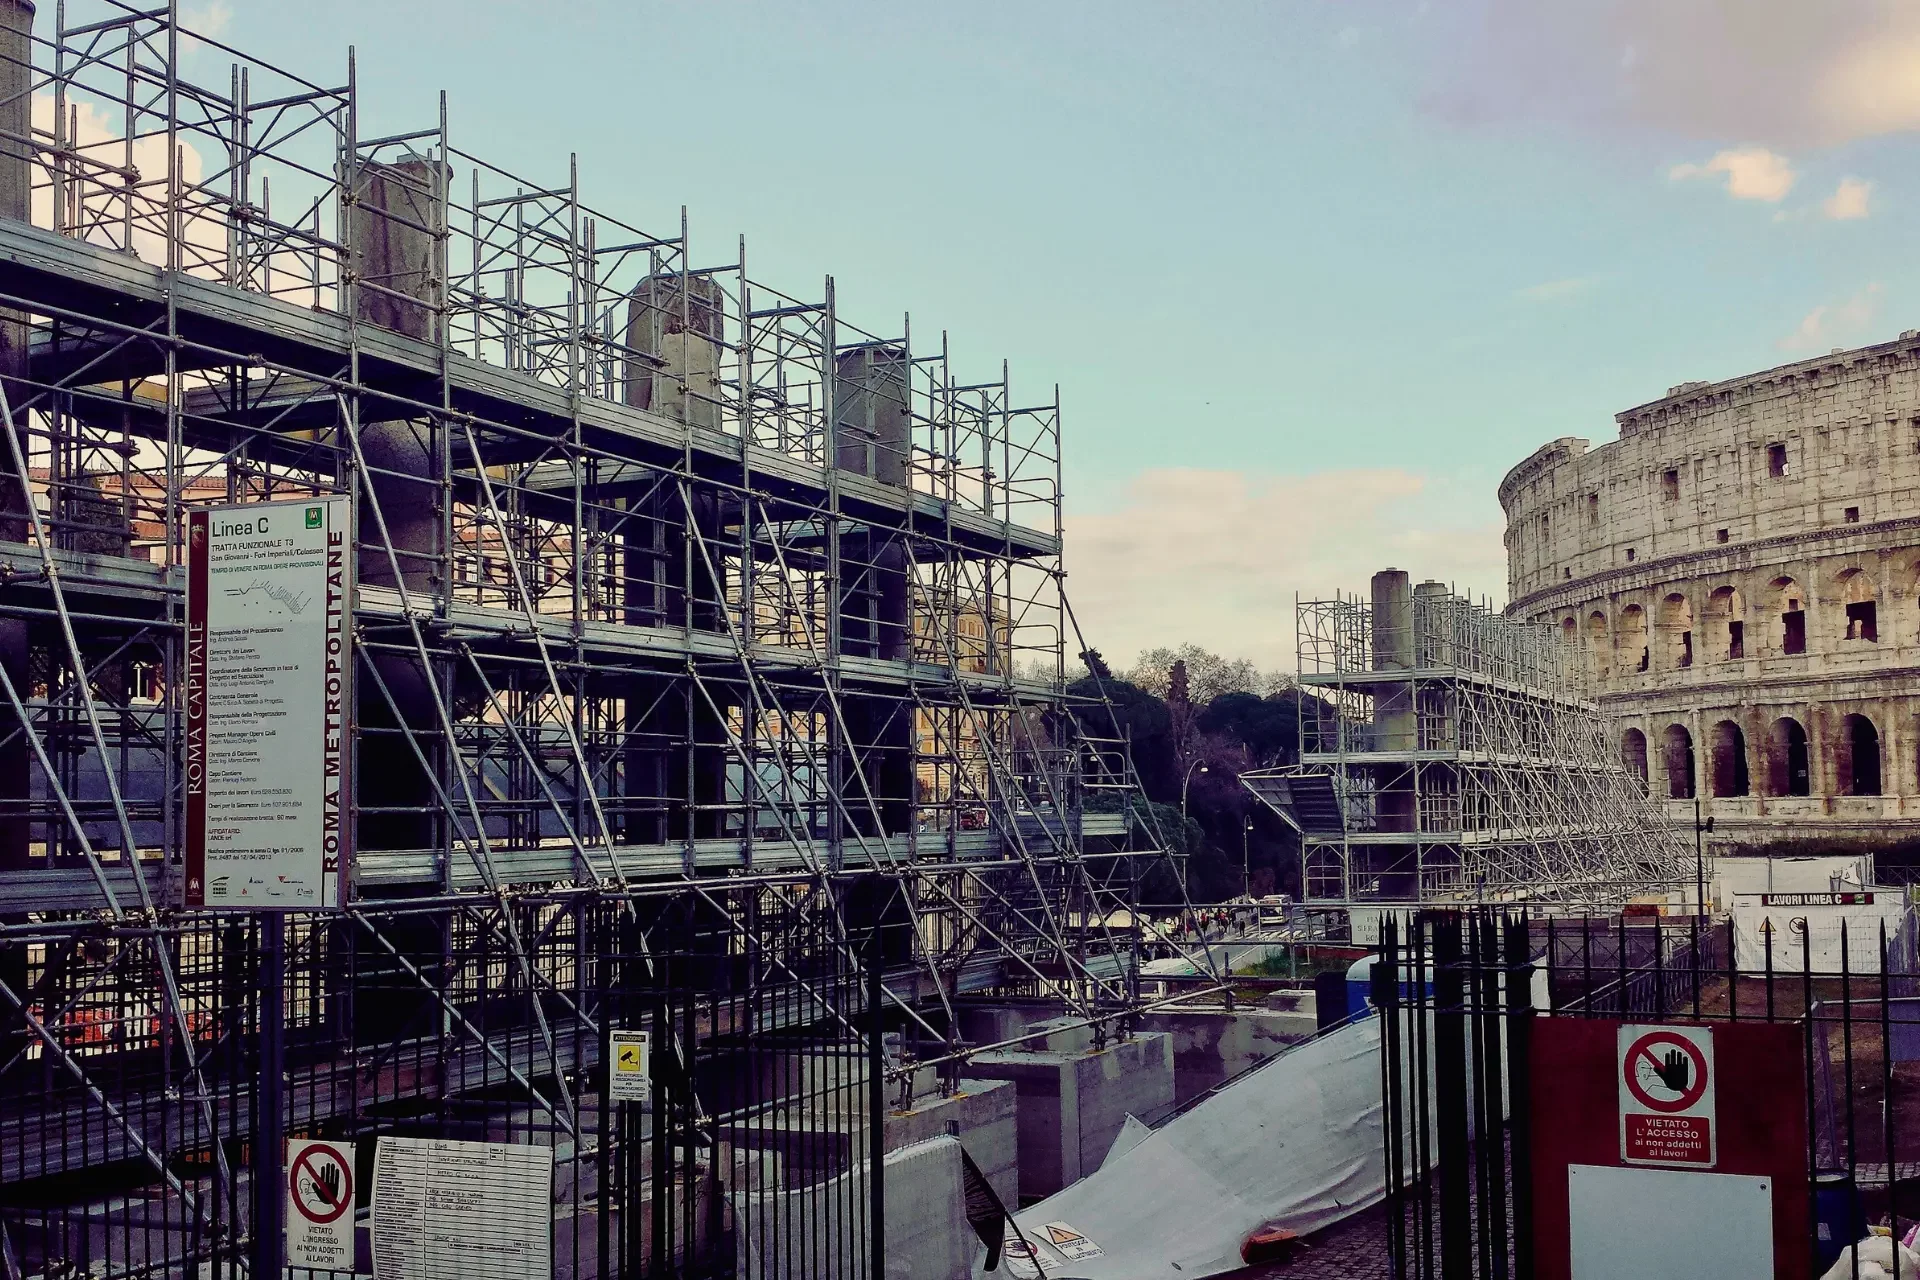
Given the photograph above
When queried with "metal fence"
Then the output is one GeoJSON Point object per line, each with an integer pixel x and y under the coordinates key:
{"type": "Point", "coordinates": [130, 1140]}
{"type": "Point", "coordinates": [1461, 993]}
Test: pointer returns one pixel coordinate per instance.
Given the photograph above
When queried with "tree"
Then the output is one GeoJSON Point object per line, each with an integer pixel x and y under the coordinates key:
{"type": "Point", "coordinates": [1269, 728]}
{"type": "Point", "coordinates": [1208, 674]}
{"type": "Point", "coordinates": [1096, 665]}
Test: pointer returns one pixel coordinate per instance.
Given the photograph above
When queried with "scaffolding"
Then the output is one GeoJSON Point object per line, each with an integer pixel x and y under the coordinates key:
{"type": "Point", "coordinates": [708, 645]}
{"type": "Point", "coordinates": [1450, 755]}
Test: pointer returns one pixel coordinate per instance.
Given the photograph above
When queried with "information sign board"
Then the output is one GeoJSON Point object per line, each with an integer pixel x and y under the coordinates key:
{"type": "Point", "coordinates": [269, 694]}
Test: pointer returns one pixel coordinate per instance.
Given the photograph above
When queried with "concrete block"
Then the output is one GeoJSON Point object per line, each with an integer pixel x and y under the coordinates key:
{"type": "Point", "coordinates": [986, 1113]}
{"type": "Point", "coordinates": [1073, 1103]}
{"type": "Point", "coordinates": [1211, 1047]}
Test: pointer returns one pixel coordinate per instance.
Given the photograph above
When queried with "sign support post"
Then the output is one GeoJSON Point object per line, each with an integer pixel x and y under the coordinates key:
{"type": "Point", "coordinates": [268, 1255]}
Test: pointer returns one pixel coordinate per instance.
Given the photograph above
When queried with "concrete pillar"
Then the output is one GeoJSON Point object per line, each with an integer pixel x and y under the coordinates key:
{"type": "Point", "coordinates": [673, 563]}
{"type": "Point", "coordinates": [399, 263]}
{"type": "Point", "coordinates": [1396, 728]}
{"type": "Point", "coordinates": [872, 434]}
{"type": "Point", "coordinates": [872, 438]}
{"type": "Point", "coordinates": [675, 332]}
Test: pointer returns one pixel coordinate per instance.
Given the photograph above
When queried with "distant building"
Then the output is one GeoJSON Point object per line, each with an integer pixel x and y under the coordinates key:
{"type": "Point", "coordinates": [1740, 573]}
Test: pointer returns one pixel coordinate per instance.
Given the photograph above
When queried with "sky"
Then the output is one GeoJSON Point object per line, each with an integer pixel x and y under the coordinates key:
{"type": "Point", "coordinates": [1311, 275]}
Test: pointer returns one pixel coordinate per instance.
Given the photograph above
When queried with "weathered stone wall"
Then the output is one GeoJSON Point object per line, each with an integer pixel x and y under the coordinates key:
{"type": "Point", "coordinates": [1677, 557]}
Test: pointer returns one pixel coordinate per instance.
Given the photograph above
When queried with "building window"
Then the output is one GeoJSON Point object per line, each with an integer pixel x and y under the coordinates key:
{"type": "Point", "coordinates": [1853, 515]}
{"type": "Point", "coordinates": [1633, 754]}
{"type": "Point", "coordinates": [1861, 622]}
{"type": "Point", "coordinates": [1794, 631]}
{"type": "Point", "coordinates": [1678, 755]}
{"type": "Point", "coordinates": [1859, 771]}
{"type": "Point", "coordinates": [1776, 460]}
{"type": "Point", "coordinates": [1729, 760]}
{"type": "Point", "coordinates": [1593, 508]}
{"type": "Point", "coordinates": [1670, 486]}
{"type": "Point", "coordinates": [1566, 573]}
{"type": "Point", "coordinates": [1787, 771]}
{"type": "Point", "coordinates": [1629, 555]}
{"type": "Point", "coordinates": [1720, 535]}
{"type": "Point", "coordinates": [1736, 640]}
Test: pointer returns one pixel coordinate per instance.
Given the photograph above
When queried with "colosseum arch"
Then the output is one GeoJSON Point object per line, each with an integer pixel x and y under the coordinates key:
{"type": "Point", "coordinates": [1857, 757]}
{"type": "Point", "coordinates": [1789, 770]}
{"type": "Point", "coordinates": [1630, 646]}
{"type": "Point", "coordinates": [1598, 647]}
{"type": "Point", "coordinates": [1676, 751]}
{"type": "Point", "coordinates": [1855, 588]}
{"type": "Point", "coordinates": [1724, 635]}
{"type": "Point", "coordinates": [1676, 632]}
{"type": "Point", "coordinates": [1633, 754]}
{"type": "Point", "coordinates": [1729, 760]}
{"type": "Point", "coordinates": [1787, 607]}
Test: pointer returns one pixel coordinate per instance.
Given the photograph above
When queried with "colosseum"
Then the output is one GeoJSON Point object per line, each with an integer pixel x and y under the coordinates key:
{"type": "Point", "coordinates": [1740, 572]}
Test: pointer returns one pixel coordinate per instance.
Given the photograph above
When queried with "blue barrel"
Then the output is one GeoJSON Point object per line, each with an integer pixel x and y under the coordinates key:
{"type": "Point", "coordinates": [1838, 1217]}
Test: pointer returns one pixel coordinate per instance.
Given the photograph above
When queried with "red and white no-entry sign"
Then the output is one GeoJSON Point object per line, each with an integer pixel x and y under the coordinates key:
{"type": "Point", "coordinates": [320, 1204]}
{"type": "Point", "coordinates": [1666, 1096]}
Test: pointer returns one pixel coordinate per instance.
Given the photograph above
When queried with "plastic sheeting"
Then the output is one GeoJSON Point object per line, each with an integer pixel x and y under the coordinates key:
{"type": "Point", "coordinates": [1809, 936]}
{"type": "Point", "coordinates": [1299, 1140]}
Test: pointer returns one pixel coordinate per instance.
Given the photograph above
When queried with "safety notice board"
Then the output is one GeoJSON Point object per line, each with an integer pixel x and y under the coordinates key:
{"type": "Point", "coordinates": [1676, 1108]}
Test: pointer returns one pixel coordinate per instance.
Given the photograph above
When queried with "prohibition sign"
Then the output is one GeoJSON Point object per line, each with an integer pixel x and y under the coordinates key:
{"type": "Point", "coordinates": [1644, 1049]}
{"type": "Point", "coordinates": [319, 1198]}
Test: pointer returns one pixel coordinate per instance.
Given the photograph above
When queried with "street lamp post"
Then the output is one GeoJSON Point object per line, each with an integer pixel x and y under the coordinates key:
{"type": "Point", "coordinates": [1187, 781]}
{"type": "Point", "coordinates": [1246, 864]}
{"type": "Point", "coordinates": [1700, 857]}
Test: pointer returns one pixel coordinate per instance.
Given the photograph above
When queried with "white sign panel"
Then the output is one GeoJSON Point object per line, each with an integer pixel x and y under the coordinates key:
{"type": "Point", "coordinates": [477, 1210]}
{"type": "Point", "coordinates": [269, 692]}
{"type": "Point", "coordinates": [628, 1056]}
{"type": "Point", "coordinates": [1666, 1081]}
{"type": "Point", "coordinates": [320, 1205]}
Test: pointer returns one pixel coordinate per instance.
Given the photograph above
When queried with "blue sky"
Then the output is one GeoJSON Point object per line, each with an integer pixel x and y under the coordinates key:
{"type": "Point", "coordinates": [1311, 275]}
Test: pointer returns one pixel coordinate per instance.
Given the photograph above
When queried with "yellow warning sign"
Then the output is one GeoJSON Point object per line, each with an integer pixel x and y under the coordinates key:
{"type": "Point", "coordinates": [630, 1080]}
{"type": "Point", "coordinates": [1071, 1244]}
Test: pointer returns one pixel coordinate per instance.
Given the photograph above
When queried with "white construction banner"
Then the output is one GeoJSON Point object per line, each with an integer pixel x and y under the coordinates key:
{"type": "Point", "coordinates": [269, 692]}
{"type": "Point", "coordinates": [320, 1205]}
{"type": "Point", "coordinates": [476, 1210]}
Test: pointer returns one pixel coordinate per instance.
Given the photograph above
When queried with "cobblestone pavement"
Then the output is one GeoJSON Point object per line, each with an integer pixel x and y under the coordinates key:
{"type": "Point", "coordinates": [1352, 1250]}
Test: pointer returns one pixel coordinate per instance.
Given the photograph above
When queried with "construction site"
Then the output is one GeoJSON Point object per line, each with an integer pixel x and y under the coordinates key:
{"type": "Point", "coordinates": [1454, 756]}
{"type": "Point", "coordinates": [707, 684]}
{"type": "Point", "coordinates": [718, 876]}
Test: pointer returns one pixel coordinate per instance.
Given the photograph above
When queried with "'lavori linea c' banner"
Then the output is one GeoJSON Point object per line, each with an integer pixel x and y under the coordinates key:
{"type": "Point", "coordinates": [269, 673]}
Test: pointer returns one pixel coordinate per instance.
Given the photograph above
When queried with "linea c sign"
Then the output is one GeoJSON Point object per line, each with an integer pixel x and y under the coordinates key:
{"type": "Point", "coordinates": [1666, 1082]}
{"type": "Point", "coordinates": [269, 693]}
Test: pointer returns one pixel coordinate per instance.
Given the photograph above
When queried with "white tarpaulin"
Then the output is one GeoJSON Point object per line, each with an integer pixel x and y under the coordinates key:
{"type": "Point", "coordinates": [1805, 930]}
{"type": "Point", "coordinates": [1299, 1140]}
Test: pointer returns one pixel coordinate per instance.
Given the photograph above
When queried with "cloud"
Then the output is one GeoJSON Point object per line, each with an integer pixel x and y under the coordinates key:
{"type": "Point", "coordinates": [1849, 201]}
{"type": "Point", "coordinates": [1752, 173]}
{"type": "Point", "coordinates": [1835, 324]}
{"type": "Point", "coordinates": [91, 132]}
{"type": "Point", "coordinates": [1788, 73]}
{"type": "Point", "coordinates": [1555, 290]}
{"type": "Point", "coordinates": [1216, 557]}
{"type": "Point", "coordinates": [209, 20]}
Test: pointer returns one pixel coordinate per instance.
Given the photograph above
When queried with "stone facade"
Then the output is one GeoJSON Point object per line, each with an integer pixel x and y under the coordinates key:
{"type": "Point", "coordinates": [1740, 573]}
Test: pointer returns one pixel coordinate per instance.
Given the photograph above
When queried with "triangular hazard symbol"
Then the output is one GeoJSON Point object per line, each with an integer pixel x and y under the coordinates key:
{"type": "Point", "coordinates": [1059, 1235]}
